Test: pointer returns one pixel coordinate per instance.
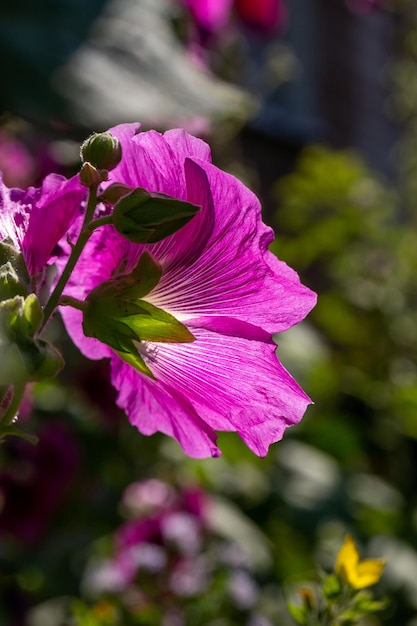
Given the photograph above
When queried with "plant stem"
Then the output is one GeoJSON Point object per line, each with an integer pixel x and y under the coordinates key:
{"type": "Point", "coordinates": [70, 301]}
{"type": "Point", "coordinates": [83, 237]}
{"type": "Point", "coordinates": [101, 221]}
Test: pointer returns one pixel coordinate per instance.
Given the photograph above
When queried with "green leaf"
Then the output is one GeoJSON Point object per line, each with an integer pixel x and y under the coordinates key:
{"type": "Point", "coordinates": [148, 217]}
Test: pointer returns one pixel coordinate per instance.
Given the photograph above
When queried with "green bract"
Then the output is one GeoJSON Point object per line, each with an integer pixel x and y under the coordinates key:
{"type": "Point", "coordinates": [115, 313]}
{"type": "Point", "coordinates": [147, 217]}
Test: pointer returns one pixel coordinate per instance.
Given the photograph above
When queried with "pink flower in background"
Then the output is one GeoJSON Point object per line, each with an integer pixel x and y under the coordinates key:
{"type": "Point", "coordinates": [16, 163]}
{"type": "Point", "coordinates": [164, 538]}
{"type": "Point", "coordinates": [211, 16]}
{"type": "Point", "coordinates": [262, 15]}
{"type": "Point", "coordinates": [35, 219]}
{"type": "Point", "coordinates": [221, 282]}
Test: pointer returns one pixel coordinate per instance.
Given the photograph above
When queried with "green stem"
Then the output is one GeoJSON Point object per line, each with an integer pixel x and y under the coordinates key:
{"type": "Point", "coordinates": [83, 237]}
{"type": "Point", "coordinates": [70, 301]}
{"type": "Point", "coordinates": [101, 221]}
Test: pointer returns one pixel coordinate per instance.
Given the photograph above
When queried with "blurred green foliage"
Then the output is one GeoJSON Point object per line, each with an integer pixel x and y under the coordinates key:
{"type": "Point", "coordinates": [342, 227]}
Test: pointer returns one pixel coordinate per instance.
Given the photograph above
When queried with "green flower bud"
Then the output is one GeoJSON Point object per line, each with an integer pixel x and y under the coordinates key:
{"type": "Point", "coordinates": [102, 150]}
{"type": "Point", "coordinates": [114, 193]}
{"type": "Point", "coordinates": [147, 217]}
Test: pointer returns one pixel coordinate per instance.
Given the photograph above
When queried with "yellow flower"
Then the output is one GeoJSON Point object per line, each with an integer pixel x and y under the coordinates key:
{"type": "Point", "coordinates": [358, 574]}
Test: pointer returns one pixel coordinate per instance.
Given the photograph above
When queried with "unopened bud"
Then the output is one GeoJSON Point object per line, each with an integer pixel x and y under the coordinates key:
{"type": "Point", "coordinates": [90, 176]}
{"type": "Point", "coordinates": [114, 193]}
{"type": "Point", "coordinates": [147, 217]}
{"type": "Point", "coordinates": [102, 150]}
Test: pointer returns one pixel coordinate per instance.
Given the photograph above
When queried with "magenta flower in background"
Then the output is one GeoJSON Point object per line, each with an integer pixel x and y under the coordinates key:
{"type": "Point", "coordinates": [211, 16]}
{"type": "Point", "coordinates": [165, 534]}
{"type": "Point", "coordinates": [16, 163]}
{"type": "Point", "coordinates": [262, 15]}
{"type": "Point", "coordinates": [35, 219]}
{"type": "Point", "coordinates": [220, 281]}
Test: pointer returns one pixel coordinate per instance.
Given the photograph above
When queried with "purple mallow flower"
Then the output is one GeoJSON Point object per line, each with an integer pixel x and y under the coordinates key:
{"type": "Point", "coordinates": [221, 282]}
{"type": "Point", "coordinates": [36, 219]}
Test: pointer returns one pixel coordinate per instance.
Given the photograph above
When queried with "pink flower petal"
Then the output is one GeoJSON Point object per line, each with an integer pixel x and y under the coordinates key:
{"type": "Point", "coordinates": [36, 219]}
{"type": "Point", "coordinates": [229, 382]}
{"type": "Point", "coordinates": [155, 161]}
{"type": "Point", "coordinates": [152, 407]}
{"type": "Point", "coordinates": [234, 275]}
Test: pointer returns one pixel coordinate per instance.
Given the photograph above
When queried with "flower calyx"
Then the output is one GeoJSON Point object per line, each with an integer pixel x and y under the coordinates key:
{"type": "Point", "coordinates": [143, 216]}
{"type": "Point", "coordinates": [115, 313]}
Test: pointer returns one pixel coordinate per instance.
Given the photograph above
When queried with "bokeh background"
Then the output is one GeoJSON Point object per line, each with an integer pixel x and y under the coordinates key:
{"type": "Point", "coordinates": [313, 105]}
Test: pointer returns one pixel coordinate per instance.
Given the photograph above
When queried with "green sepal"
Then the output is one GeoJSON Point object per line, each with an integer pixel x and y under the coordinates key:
{"type": "Point", "coordinates": [135, 360]}
{"type": "Point", "coordinates": [147, 217]}
{"type": "Point", "coordinates": [115, 313]}
{"type": "Point", "coordinates": [155, 324]}
{"type": "Point", "coordinates": [133, 286]}
{"type": "Point", "coordinates": [23, 356]}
